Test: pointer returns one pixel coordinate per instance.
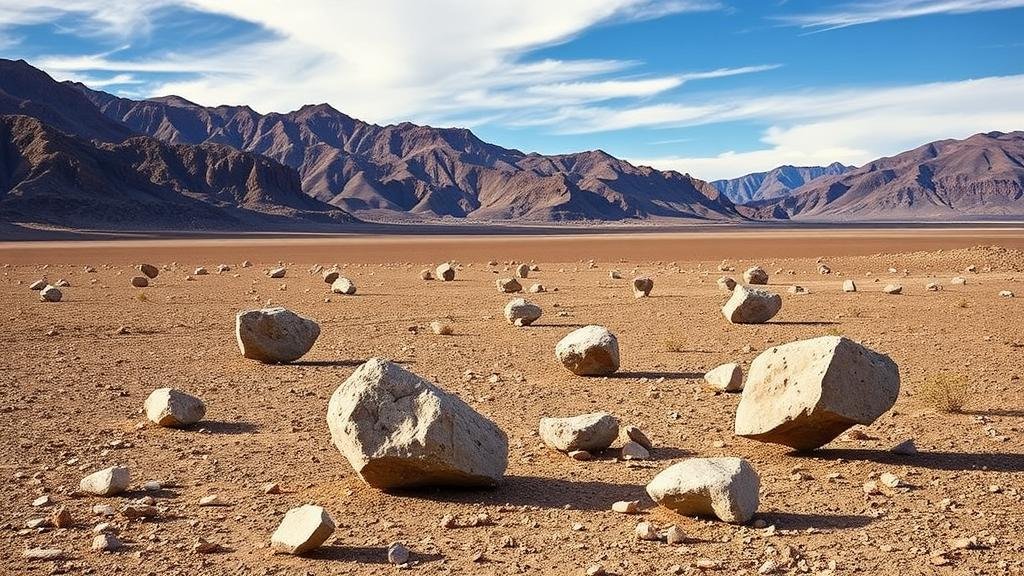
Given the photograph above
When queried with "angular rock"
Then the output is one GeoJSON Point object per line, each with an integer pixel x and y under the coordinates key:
{"type": "Point", "coordinates": [589, 351]}
{"type": "Point", "coordinates": [50, 294]}
{"type": "Point", "coordinates": [106, 482]}
{"type": "Point", "coordinates": [755, 275]}
{"type": "Point", "coordinates": [1005, 294]}
{"type": "Point", "coordinates": [445, 272]}
{"type": "Point", "coordinates": [932, 287]}
{"type": "Point", "coordinates": [636, 435]}
{"type": "Point", "coordinates": [725, 378]}
{"type": "Point", "coordinates": [330, 276]}
{"type": "Point", "coordinates": [591, 432]}
{"type": "Point", "coordinates": [796, 289]}
{"type": "Point", "coordinates": [173, 408]}
{"type": "Point", "coordinates": [614, 275]}
{"type": "Point", "coordinates": [537, 289]}
{"type": "Point", "coordinates": [642, 286]}
{"type": "Point", "coordinates": [892, 289]}
{"type": "Point", "coordinates": [726, 488]}
{"type": "Point", "coordinates": [106, 542]}
{"type": "Point", "coordinates": [958, 280]}
{"type": "Point", "coordinates": [508, 285]}
{"type": "Point", "coordinates": [626, 506]}
{"type": "Point", "coordinates": [149, 270]}
{"type": "Point", "coordinates": [342, 285]}
{"type": "Point", "coordinates": [806, 393]}
{"type": "Point", "coordinates": [849, 286]}
{"type": "Point", "coordinates": [38, 285]}
{"type": "Point", "coordinates": [303, 529]}
{"type": "Point", "coordinates": [278, 272]}
{"type": "Point", "coordinates": [726, 284]}
{"type": "Point", "coordinates": [634, 451]}
{"type": "Point", "coordinates": [200, 271]}
{"type": "Point", "coordinates": [273, 335]}
{"type": "Point", "coordinates": [523, 271]}
{"type": "Point", "coordinates": [398, 430]}
{"type": "Point", "coordinates": [522, 312]}
{"type": "Point", "coordinates": [751, 305]}
{"type": "Point", "coordinates": [398, 553]}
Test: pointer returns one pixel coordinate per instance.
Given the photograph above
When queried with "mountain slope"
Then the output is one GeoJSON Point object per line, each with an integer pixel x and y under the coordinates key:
{"type": "Point", "coordinates": [774, 183]}
{"type": "Point", "coordinates": [979, 177]}
{"type": "Point", "coordinates": [50, 177]}
{"type": "Point", "coordinates": [405, 170]}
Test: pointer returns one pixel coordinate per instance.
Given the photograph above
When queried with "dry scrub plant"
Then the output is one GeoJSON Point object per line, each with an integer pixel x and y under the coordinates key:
{"type": "Point", "coordinates": [944, 391]}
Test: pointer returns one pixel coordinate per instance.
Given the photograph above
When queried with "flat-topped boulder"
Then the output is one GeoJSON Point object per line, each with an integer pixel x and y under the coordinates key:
{"type": "Point", "coordinates": [591, 432]}
{"type": "Point", "coordinates": [725, 488]}
{"type": "Point", "coordinates": [274, 335]}
{"type": "Point", "coordinates": [751, 305]}
{"type": "Point", "coordinates": [806, 393]}
{"type": "Point", "coordinates": [398, 430]}
{"type": "Point", "coordinates": [589, 351]}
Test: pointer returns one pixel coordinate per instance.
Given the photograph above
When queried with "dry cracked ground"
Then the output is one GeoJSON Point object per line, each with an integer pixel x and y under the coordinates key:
{"type": "Point", "coordinates": [74, 374]}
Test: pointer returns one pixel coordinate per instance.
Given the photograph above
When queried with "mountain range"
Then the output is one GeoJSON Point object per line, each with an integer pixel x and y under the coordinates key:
{"type": "Point", "coordinates": [77, 157]}
{"type": "Point", "coordinates": [774, 183]}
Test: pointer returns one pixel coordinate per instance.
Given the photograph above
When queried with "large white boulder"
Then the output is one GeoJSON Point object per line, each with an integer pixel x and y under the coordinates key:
{"type": "Point", "coordinates": [806, 393]}
{"type": "Point", "coordinates": [274, 335]}
{"type": "Point", "coordinates": [398, 430]}
{"type": "Point", "coordinates": [590, 432]}
{"type": "Point", "coordinates": [522, 312]}
{"type": "Point", "coordinates": [726, 488]}
{"type": "Point", "coordinates": [751, 305]}
{"type": "Point", "coordinates": [589, 351]}
{"type": "Point", "coordinates": [303, 529]}
{"type": "Point", "coordinates": [173, 408]}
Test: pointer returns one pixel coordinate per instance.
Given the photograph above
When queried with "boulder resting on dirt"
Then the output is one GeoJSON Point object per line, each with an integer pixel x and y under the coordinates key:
{"type": "Point", "coordinates": [725, 378]}
{"type": "Point", "coordinates": [726, 488]}
{"type": "Point", "coordinates": [303, 529]}
{"type": "Point", "coordinates": [642, 286]}
{"type": "Point", "coordinates": [806, 393]}
{"type": "Point", "coordinates": [591, 432]}
{"type": "Point", "coordinates": [589, 351]}
{"type": "Point", "coordinates": [445, 272]}
{"type": "Point", "coordinates": [173, 408]}
{"type": "Point", "coordinates": [751, 305]}
{"type": "Point", "coordinates": [273, 335]}
{"type": "Point", "coordinates": [522, 312]}
{"type": "Point", "coordinates": [398, 430]}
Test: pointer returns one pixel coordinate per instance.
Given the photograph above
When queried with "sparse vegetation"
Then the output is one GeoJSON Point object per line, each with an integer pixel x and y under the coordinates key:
{"type": "Point", "coordinates": [944, 391]}
{"type": "Point", "coordinates": [141, 297]}
{"type": "Point", "coordinates": [963, 303]}
{"type": "Point", "coordinates": [833, 331]}
{"type": "Point", "coordinates": [673, 345]}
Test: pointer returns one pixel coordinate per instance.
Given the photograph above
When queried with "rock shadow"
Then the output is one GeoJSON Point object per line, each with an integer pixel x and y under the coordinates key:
{"type": "Point", "coordinates": [537, 491]}
{"type": "Point", "coordinates": [795, 521]}
{"type": "Point", "coordinates": [990, 461]}
{"type": "Point", "coordinates": [224, 427]}
{"type": "Point", "coordinates": [655, 375]}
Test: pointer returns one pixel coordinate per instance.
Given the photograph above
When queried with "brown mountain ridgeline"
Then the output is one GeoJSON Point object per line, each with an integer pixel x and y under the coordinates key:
{"type": "Point", "coordinates": [82, 158]}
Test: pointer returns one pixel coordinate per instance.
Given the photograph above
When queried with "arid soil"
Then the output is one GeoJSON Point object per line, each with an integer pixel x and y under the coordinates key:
{"type": "Point", "coordinates": [74, 375]}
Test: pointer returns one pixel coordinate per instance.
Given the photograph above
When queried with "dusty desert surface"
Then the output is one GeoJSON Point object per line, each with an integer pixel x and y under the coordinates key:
{"type": "Point", "coordinates": [74, 375]}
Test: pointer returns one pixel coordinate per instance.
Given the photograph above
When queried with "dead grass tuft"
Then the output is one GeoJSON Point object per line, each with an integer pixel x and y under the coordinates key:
{"type": "Point", "coordinates": [944, 391]}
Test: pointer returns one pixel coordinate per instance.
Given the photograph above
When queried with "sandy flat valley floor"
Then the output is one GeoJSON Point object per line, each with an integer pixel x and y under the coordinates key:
{"type": "Point", "coordinates": [74, 375]}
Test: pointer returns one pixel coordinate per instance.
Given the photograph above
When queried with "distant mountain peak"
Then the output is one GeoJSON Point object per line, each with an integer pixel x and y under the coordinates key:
{"type": "Point", "coordinates": [774, 183]}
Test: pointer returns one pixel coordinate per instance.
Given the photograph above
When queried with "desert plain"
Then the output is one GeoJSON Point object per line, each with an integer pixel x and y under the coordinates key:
{"type": "Point", "coordinates": [74, 375]}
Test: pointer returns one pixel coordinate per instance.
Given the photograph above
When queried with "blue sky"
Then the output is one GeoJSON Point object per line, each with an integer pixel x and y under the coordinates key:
{"type": "Point", "coordinates": [716, 88]}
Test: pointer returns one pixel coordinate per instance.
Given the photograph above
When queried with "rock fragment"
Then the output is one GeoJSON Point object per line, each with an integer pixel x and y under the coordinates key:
{"type": "Point", "coordinates": [50, 294]}
{"type": "Point", "coordinates": [173, 408]}
{"type": "Point", "coordinates": [589, 351]}
{"type": "Point", "coordinates": [274, 335]}
{"type": "Point", "coordinates": [303, 529]}
{"type": "Point", "coordinates": [755, 275]}
{"type": "Point", "coordinates": [278, 272]}
{"type": "Point", "coordinates": [849, 286]}
{"type": "Point", "coordinates": [106, 482]}
{"type": "Point", "coordinates": [398, 430]}
{"type": "Point", "coordinates": [521, 312]}
{"type": "Point", "coordinates": [751, 305]}
{"type": "Point", "coordinates": [445, 272]}
{"type": "Point", "coordinates": [806, 393]}
{"type": "Point", "coordinates": [726, 488]}
{"type": "Point", "coordinates": [149, 270]}
{"type": "Point", "coordinates": [591, 432]}
{"type": "Point", "coordinates": [726, 284]}
{"type": "Point", "coordinates": [343, 285]}
{"type": "Point", "coordinates": [642, 286]}
{"type": "Point", "coordinates": [508, 285]}
{"type": "Point", "coordinates": [725, 378]}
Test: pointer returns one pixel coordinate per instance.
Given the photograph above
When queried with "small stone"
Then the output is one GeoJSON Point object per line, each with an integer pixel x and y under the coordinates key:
{"type": "Point", "coordinates": [271, 488]}
{"type": "Point", "coordinates": [522, 271]}
{"type": "Point", "coordinates": [723, 487]}
{"type": "Point", "coordinates": [626, 506]}
{"type": "Point", "coordinates": [278, 272]}
{"type": "Point", "coordinates": [398, 553]}
{"type": "Point", "coordinates": [149, 270]}
{"type": "Point", "coordinates": [675, 535]}
{"type": "Point", "coordinates": [591, 432]}
{"type": "Point", "coordinates": [642, 286]}
{"type": "Point", "coordinates": [581, 455]}
{"type": "Point", "coordinates": [726, 284]}
{"type": "Point", "coordinates": [140, 281]}
{"type": "Point", "coordinates": [343, 285]}
{"type": "Point", "coordinates": [537, 289]}
{"type": "Point", "coordinates": [62, 518]}
{"type": "Point", "coordinates": [303, 529]}
{"type": "Point", "coordinates": [905, 448]}
{"type": "Point", "coordinates": [50, 294]}
{"type": "Point", "coordinates": [595, 570]}
{"type": "Point", "coordinates": [38, 285]}
{"type": "Point", "coordinates": [442, 328]}
{"type": "Point", "coordinates": [889, 479]}
{"type": "Point", "coordinates": [725, 378]}
{"type": "Point", "coordinates": [755, 275]}
{"type": "Point", "coordinates": [173, 408]}
{"type": "Point", "coordinates": [522, 312]}
{"type": "Point", "coordinates": [634, 451]}
{"type": "Point", "coordinates": [106, 542]}
{"type": "Point", "coordinates": [849, 286]}
{"type": "Point", "coordinates": [1006, 294]}
{"type": "Point", "coordinates": [42, 554]}
{"type": "Point", "coordinates": [44, 500]}
{"type": "Point", "coordinates": [201, 271]}
{"type": "Point", "coordinates": [646, 531]}
{"type": "Point", "coordinates": [106, 482]}
{"type": "Point", "coordinates": [212, 500]}
{"type": "Point", "coordinates": [103, 510]}
{"type": "Point", "coordinates": [426, 275]}
{"type": "Point", "coordinates": [508, 285]}
{"type": "Point", "coordinates": [751, 305]}
{"type": "Point", "coordinates": [614, 275]}
{"type": "Point", "coordinates": [637, 435]}
{"type": "Point", "coordinates": [589, 351]}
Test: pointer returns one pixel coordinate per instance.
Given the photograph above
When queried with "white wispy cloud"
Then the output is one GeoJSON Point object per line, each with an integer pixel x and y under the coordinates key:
{"type": "Point", "coordinates": [851, 126]}
{"type": "Point", "coordinates": [853, 14]}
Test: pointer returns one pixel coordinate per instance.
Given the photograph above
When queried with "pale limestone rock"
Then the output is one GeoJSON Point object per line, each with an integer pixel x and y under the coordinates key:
{"type": "Point", "coordinates": [725, 378]}
{"type": "Point", "coordinates": [806, 393]}
{"type": "Point", "coordinates": [751, 305]}
{"type": "Point", "coordinates": [273, 335]}
{"type": "Point", "coordinates": [303, 529]}
{"type": "Point", "coordinates": [726, 488]}
{"type": "Point", "coordinates": [591, 432]}
{"type": "Point", "coordinates": [398, 430]}
{"type": "Point", "coordinates": [589, 351]}
{"type": "Point", "coordinates": [106, 482]}
{"type": "Point", "coordinates": [522, 312]}
{"type": "Point", "coordinates": [173, 408]}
